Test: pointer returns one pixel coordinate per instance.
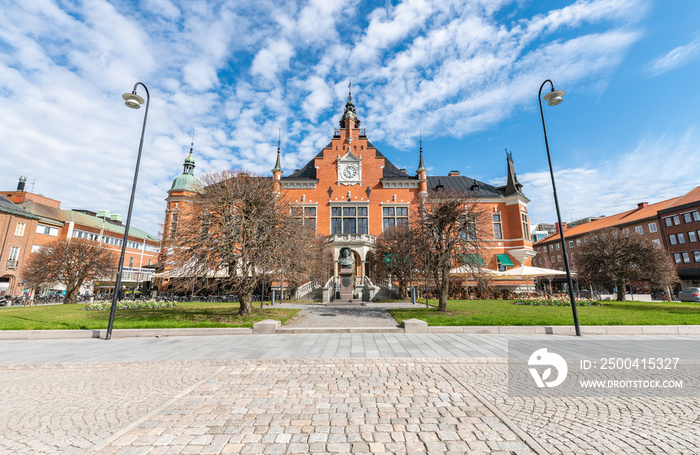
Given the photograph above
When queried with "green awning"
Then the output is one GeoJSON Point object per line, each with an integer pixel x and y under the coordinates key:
{"type": "Point", "coordinates": [474, 260]}
{"type": "Point", "coordinates": [505, 260]}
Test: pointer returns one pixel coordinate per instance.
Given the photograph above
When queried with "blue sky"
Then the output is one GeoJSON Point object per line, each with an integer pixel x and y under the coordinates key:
{"type": "Point", "coordinates": [466, 73]}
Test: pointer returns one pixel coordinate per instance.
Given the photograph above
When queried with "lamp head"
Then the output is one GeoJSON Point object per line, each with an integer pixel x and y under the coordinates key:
{"type": "Point", "coordinates": [554, 97]}
{"type": "Point", "coordinates": [132, 100]}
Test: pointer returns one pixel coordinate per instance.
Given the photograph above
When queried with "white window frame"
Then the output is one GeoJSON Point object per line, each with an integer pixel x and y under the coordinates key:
{"type": "Point", "coordinates": [687, 217]}
{"type": "Point", "coordinates": [696, 255]}
{"type": "Point", "coordinates": [497, 221]}
{"type": "Point", "coordinates": [672, 239]}
{"type": "Point", "coordinates": [639, 230]}
{"type": "Point", "coordinates": [686, 257]}
{"type": "Point", "coordinates": [681, 238]}
{"type": "Point", "coordinates": [677, 258]}
{"type": "Point", "coordinates": [652, 227]}
{"type": "Point", "coordinates": [14, 253]}
{"type": "Point", "coordinates": [19, 229]}
{"type": "Point", "coordinates": [692, 237]}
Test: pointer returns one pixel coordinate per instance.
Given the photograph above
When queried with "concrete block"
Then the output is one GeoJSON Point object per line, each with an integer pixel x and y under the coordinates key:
{"type": "Point", "coordinates": [480, 329]}
{"type": "Point", "coordinates": [266, 327]}
{"type": "Point", "coordinates": [519, 330]}
{"type": "Point", "coordinates": [689, 329]}
{"type": "Point", "coordinates": [660, 330]}
{"type": "Point", "coordinates": [415, 326]}
{"type": "Point", "coordinates": [593, 330]}
{"type": "Point", "coordinates": [446, 329]}
{"type": "Point", "coordinates": [625, 330]}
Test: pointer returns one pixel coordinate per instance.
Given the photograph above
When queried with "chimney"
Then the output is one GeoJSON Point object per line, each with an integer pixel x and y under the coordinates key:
{"type": "Point", "coordinates": [453, 174]}
{"type": "Point", "coordinates": [641, 205]}
{"type": "Point", "coordinates": [20, 184]}
{"type": "Point", "coordinates": [403, 171]}
{"type": "Point", "coordinates": [556, 226]}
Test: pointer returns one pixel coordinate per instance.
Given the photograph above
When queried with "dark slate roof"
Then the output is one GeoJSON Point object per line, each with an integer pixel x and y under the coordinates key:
{"type": "Point", "coordinates": [7, 206]}
{"type": "Point", "coordinates": [462, 183]}
{"type": "Point", "coordinates": [46, 214]}
{"type": "Point", "coordinates": [307, 172]}
{"type": "Point", "coordinates": [391, 172]}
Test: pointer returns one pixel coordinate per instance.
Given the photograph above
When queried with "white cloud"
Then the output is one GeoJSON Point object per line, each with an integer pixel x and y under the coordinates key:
{"type": "Point", "coordinates": [240, 71]}
{"type": "Point", "coordinates": [390, 25]}
{"type": "Point", "coordinates": [616, 186]}
{"type": "Point", "coordinates": [675, 58]}
{"type": "Point", "coordinates": [272, 60]}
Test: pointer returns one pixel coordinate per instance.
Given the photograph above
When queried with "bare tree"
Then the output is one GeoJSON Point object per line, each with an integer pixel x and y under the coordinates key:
{"type": "Point", "coordinates": [451, 227]}
{"type": "Point", "coordinates": [235, 230]}
{"type": "Point", "coordinates": [298, 254]}
{"type": "Point", "coordinates": [394, 251]}
{"type": "Point", "coordinates": [70, 263]}
{"type": "Point", "coordinates": [611, 258]}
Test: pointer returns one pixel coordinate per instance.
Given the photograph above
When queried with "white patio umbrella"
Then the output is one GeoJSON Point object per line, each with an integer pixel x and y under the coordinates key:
{"type": "Point", "coordinates": [466, 269]}
{"type": "Point", "coordinates": [526, 271]}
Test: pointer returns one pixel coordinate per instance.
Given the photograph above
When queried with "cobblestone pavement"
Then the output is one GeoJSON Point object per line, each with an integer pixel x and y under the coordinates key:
{"type": "Point", "coordinates": [324, 406]}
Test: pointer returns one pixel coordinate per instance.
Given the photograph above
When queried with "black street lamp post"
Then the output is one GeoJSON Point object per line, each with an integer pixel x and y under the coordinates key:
{"type": "Point", "coordinates": [553, 98]}
{"type": "Point", "coordinates": [133, 101]}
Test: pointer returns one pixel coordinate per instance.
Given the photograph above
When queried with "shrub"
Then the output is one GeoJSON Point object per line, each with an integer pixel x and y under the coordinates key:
{"type": "Point", "coordinates": [554, 302]}
{"type": "Point", "coordinates": [129, 305]}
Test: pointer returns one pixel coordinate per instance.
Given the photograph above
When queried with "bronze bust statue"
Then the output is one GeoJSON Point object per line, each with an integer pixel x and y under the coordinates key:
{"type": "Point", "coordinates": [346, 260]}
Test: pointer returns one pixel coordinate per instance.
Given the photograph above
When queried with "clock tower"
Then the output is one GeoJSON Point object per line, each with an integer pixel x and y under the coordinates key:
{"type": "Point", "coordinates": [349, 169]}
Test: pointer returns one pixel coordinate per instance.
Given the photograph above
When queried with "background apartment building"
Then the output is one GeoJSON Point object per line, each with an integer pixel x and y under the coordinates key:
{"type": "Point", "coordinates": [673, 224]}
{"type": "Point", "coordinates": [49, 222]}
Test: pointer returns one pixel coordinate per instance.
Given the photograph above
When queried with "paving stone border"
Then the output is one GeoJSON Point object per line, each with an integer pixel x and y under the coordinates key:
{"type": "Point", "coordinates": [486, 330]}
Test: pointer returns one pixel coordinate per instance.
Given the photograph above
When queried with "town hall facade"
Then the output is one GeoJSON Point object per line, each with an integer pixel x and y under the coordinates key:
{"type": "Point", "coordinates": [351, 193]}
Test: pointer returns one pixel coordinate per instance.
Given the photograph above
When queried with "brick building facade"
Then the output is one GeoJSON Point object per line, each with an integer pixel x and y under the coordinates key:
{"type": "Point", "coordinates": [17, 227]}
{"type": "Point", "coordinates": [351, 193]}
{"type": "Point", "coordinates": [51, 223]}
{"type": "Point", "coordinates": [673, 224]}
{"type": "Point", "coordinates": [680, 224]}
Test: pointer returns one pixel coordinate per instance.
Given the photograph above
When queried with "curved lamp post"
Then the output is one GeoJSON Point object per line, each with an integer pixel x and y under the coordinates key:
{"type": "Point", "coordinates": [553, 98]}
{"type": "Point", "coordinates": [133, 101]}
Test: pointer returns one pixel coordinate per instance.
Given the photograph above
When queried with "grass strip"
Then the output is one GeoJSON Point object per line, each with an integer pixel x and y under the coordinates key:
{"type": "Point", "coordinates": [506, 313]}
{"type": "Point", "coordinates": [184, 315]}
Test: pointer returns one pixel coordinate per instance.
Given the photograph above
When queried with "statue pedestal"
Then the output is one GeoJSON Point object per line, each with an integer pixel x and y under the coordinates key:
{"type": "Point", "coordinates": [346, 284]}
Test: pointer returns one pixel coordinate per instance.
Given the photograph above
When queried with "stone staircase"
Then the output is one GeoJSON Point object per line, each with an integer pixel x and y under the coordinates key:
{"type": "Point", "coordinates": [347, 302]}
{"type": "Point", "coordinates": [315, 295]}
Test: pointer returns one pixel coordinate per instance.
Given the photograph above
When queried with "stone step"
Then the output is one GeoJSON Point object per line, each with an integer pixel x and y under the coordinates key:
{"type": "Point", "coordinates": [347, 302]}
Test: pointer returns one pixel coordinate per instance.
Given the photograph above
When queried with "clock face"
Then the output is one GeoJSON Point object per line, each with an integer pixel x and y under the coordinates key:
{"type": "Point", "coordinates": [349, 172]}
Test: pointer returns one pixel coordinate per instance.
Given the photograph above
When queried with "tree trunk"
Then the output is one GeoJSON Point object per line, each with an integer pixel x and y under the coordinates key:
{"type": "Point", "coordinates": [71, 294]}
{"type": "Point", "coordinates": [403, 292]}
{"type": "Point", "coordinates": [621, 290]}
{"type": "Point", "coordinates": [444, 290]}
{"type": "Point", "coordinates": [246, 303]}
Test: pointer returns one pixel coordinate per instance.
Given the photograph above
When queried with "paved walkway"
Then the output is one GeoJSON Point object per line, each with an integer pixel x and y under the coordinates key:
{"type": "Point", "coordinates": [320, 316]}
{"type": "Point", "coordinates": [312, 393]}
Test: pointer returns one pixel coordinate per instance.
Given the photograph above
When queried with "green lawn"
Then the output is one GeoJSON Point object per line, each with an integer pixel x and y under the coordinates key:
{"type": "Point", "coordinates": [184, 315]}
{"type": "Point", "coordinates": [503, 312]}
